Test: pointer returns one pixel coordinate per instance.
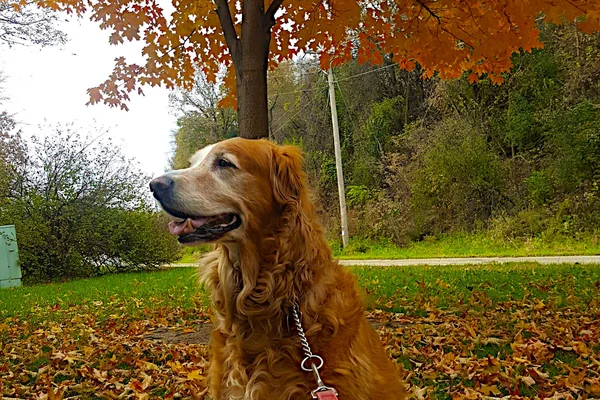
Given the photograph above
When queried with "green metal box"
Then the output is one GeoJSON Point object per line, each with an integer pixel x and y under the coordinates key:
{"type": "Point", "coordinates": [10, 271]}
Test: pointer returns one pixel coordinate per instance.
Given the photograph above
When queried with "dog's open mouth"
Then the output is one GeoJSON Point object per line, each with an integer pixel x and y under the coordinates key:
{"type": "Point", "coordinates": [203, 229]}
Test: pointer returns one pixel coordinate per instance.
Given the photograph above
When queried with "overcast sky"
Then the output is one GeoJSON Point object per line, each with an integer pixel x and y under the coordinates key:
{"type": "Point", "coordinates": [48, 86]}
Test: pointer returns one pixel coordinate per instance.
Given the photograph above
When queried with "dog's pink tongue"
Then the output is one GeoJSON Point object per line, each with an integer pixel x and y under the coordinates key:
{"type": "Point", "coordinates": [181, 228]}
{"type": "Point", "coordinates": [198, 222]}
{"type": "Point", "coordinates": [188, 226]}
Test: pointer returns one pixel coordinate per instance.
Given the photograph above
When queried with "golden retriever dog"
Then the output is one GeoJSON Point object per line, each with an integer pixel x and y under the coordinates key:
{"type": "Point", "coordinates": [250, 198]}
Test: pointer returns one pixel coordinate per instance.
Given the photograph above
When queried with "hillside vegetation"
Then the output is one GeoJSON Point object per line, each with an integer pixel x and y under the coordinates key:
{"type": "Point", "coordinates": [426, 158]}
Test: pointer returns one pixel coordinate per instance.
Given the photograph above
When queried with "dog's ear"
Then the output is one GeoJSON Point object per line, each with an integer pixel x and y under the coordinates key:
{"type": "Point", "coordinates": [288, 175]}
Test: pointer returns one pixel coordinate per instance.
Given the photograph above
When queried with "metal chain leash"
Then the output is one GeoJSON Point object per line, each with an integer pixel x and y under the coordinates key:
{"type": "Point", "coordinates": [316, 362]}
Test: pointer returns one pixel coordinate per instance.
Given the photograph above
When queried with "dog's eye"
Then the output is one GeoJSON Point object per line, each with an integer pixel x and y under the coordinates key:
{"type": "Point", "coordinates": [224, 163]}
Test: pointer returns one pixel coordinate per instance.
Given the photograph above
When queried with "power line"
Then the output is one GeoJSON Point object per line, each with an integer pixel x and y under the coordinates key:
{"type": "Point", "coordinates": [318, 88]}
{"type": "Point", "coordinates": [294, 116]}
{"type": "Point", "coordinates": [285, 114]}
{"type": "Point", "coordinates": [337, 81]}
{"type": "Point", "coordinates": [365, 73]}
{"type": "Point", "coordinates": [346, 105]}
{"type": "Point", "coordinates": [295, 74]}
{"type": "Point", "coordinates": [295, 91]}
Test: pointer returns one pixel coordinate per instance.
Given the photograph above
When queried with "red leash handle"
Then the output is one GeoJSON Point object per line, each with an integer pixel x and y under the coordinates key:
{"type": "Point", "coordinates": [322, 392]}
{"type": "Point", "coordinates": [328, 394]}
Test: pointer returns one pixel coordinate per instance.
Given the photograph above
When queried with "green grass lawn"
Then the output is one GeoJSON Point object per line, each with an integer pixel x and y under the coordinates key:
{"type": "Point", "coordinates": [135, 292]}
{"type": "Point", "coordinates": [406, 289]}
{"type": "Point", "coordinates": [130, 294]}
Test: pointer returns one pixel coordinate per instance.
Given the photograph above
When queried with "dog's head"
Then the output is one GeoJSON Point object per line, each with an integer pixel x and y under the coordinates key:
{"type": "Point", "coordinates": [232, 188]}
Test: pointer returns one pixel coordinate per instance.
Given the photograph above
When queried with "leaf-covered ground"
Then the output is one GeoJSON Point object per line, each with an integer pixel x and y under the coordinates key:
{"type": "Point", "coordinates": [512, 331]}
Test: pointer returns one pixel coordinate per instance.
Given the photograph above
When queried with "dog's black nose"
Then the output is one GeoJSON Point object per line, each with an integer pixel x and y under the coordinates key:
{"type": "Point", "coordinates": [161, 185]}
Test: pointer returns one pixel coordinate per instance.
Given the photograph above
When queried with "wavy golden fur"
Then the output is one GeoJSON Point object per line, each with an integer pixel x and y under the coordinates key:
{"type": "Point", "coordinates": [279, 256]}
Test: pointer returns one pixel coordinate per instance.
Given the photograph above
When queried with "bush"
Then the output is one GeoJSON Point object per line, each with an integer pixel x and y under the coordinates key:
{"type": "Point", "coordinates": [574, 139]}
{"type": "Point", "coordinates": [576, 214]}
{"type": "Point", "coordinates": [357, 196]}
{"type": "Point", "coordinates": [131, 239]}
{"type": "Point", "coordinates": [374, 140]}
{"type": "Point", "coordinates": [80, 208]}
{"type": "Point", "coordinates": [381, 217]}
{"type": "Point", "coordinates": [540, 186]}
{"type": "Point", "coordinates": [457, 180]}
{"type": "Point", "coordinates": [525, 224]}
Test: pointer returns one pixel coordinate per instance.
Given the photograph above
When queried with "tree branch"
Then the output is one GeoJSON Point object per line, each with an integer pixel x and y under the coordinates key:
{"type": "Point", "coordinates": [233, 42]}
{"type": "Point", "coordinates": [269, 18]}
{"type": "Point", "coordinates": [429, 11]}
{"type": "Point", "coordinates": [22, 23]}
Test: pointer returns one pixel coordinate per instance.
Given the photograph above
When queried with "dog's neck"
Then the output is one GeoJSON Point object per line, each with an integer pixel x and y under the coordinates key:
{"type": "Point", "coordinates": [257, 280]}
{"type": "Point", "coordinates": [233, 253]}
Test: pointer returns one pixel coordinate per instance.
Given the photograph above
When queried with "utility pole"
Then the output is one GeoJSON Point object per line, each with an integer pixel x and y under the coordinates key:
{"type": "Point", "coordinates": [338, 158]}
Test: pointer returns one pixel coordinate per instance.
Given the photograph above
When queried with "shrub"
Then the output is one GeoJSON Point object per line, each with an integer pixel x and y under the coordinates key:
{"type": "Point", "coordinates": [381, 217]}
{"type": "Point", "coordinates": [374, 140]}
{"type": "Point", "coordinates": [80, 208]}
{"type": "Point", "coordinates": [357, 196]}
{"type": "Point", "coordinates": [575, 143]}
{"type": "Point", "coordinates": [457, 181]}
{"type": "Point", "coordinates": [540, 186]}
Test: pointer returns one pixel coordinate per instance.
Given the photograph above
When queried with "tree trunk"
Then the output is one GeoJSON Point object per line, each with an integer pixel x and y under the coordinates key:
{"type": "Point", "coordinates": [251, 72]}
{"type": "Point", "coordinates": [250, 53]}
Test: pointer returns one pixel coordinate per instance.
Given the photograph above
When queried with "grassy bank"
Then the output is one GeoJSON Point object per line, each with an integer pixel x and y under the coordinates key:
{"type": "Point", "coordinates": [459, 245]}
{"type": "Point", "coordinates": [479, 245]}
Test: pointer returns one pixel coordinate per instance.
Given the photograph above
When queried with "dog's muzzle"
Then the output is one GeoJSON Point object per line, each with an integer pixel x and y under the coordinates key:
{"type": "Point", "coordinates": [191, 228]}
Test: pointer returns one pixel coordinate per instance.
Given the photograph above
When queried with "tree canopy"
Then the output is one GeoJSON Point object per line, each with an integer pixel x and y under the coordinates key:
{"type": "Point", "coordinates": [447, 36]}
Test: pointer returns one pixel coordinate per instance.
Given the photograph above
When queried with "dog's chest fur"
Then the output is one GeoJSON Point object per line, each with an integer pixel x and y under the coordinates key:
{"type": "Point", "coordinates": [261, 363]}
